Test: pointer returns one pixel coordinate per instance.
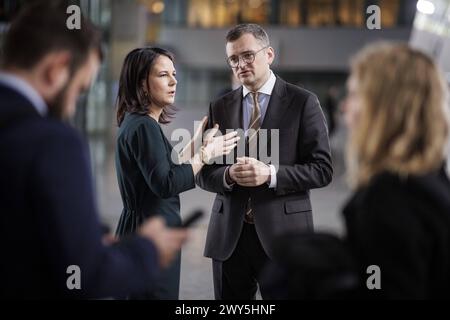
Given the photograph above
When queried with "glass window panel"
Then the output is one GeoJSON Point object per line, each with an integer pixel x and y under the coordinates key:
{"type": "Point", "coordinates": [389, 12]}
{"type": "Point", "coordinates": [351, 13]}
{"type": "Point", "coordinates": [290, 13]}
{"type": "Point", "coordinates": [320, 13]}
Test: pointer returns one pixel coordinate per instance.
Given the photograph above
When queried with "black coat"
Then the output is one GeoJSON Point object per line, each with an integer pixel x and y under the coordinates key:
{"type": "Point", "coordinates": [402, 225]}
{"type": "Point", "coordinates": [48, 219]}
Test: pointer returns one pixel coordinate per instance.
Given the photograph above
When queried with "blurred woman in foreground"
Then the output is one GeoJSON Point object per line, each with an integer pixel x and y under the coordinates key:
{"type": "Point", "coordinates": [399, 216]}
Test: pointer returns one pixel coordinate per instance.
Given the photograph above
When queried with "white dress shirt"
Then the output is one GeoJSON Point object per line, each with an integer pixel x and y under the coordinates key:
{"type": "Point", "coordinates": [247, 108]}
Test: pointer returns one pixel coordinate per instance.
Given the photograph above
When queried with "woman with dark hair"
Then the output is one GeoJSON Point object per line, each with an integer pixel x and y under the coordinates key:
{"type": "Point", "coordinates": [149, 180]}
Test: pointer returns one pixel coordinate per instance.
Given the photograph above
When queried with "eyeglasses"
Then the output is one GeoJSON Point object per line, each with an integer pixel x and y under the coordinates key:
{"type": "Point", "coordinates": [246, 57]}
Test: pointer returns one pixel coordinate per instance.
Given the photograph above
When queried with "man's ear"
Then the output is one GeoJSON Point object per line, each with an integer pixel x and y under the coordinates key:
{"type": "Point", "coordinates": [270, 55]}
{"type": "Point", "coordinates": [55, 71]}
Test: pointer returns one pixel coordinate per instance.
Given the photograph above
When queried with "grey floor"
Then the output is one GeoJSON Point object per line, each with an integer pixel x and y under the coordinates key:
{"type": "Point", "coordinates": [196, 274]}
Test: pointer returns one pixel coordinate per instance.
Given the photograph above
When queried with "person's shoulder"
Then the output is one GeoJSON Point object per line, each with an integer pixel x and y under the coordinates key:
{"type": "Point", "coordinates": [223, 92]}
{"type": "Point", "coordinates": [65, 131]}
{"type": "Point", "coordinates": [383, 201]}
{"type": "Point", "coordinates": [391, 191]}
{"type": "Point", "coordinates": [392, 183]}
{"type": "Point", "coordinates": [47, 134]}
{"type": "Point", "coordinates": [386, 184]}
{"type": "Point", "coordinates": [139, 130]}
{"type": "Point", "coordinates": [298, 91]}
{"type": "Point", "coordinates": [50, 127]}
{"type": "Point", "coordinates": [433, 187]}
{"type": "Point", "coordinates": [381, 188]}
{"type": "Point", "coordinates": [226, 97]}
{"type": "Point", "coordinates": [134, 122]}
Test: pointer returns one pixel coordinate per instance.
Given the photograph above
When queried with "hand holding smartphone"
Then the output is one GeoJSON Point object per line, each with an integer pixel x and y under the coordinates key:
{"type": "Point", "coordinates": [192, 218]}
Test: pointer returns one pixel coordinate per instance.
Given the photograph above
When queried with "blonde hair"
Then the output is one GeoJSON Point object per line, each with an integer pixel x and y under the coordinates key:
{"type": "Point", "coordinates": [403, 123]}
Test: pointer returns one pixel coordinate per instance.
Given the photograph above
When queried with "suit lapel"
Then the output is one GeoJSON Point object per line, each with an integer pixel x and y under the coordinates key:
{"type": "Point", "coordinates": [278, 104]}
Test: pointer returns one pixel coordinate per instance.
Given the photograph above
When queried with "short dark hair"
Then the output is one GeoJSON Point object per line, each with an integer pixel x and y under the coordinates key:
{"type": "Point", "coordinates": [41, 28]}
{"type": "Point", "coordinates": [131, 97]}
{"type": "Point", "coordinates": [256, 30]}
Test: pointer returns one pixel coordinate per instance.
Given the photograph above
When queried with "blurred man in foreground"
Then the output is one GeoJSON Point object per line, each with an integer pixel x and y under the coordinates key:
{"type": "Point", "coordinates": [49, 225]}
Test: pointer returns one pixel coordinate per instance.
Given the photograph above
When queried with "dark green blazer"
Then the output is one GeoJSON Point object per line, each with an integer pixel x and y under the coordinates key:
{"type": "Point", "coordinates": [149, 182]}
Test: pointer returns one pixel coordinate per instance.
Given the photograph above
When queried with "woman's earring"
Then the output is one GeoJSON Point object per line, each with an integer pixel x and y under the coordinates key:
{"type": "Point", "coordinates": [146, 98]}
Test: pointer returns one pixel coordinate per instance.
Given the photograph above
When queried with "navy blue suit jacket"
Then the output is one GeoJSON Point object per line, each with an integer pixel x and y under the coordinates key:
{"type": "Point", "coordinates": [48, 215]}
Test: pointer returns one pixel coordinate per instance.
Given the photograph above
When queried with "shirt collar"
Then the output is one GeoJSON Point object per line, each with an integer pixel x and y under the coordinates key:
{"type": "Point", "coordinates": [267, 88]}
{"type": "Point", "coordinates": [25, 89]}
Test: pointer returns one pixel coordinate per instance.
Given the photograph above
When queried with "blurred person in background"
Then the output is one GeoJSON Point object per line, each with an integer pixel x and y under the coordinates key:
{"type": "Point", "coordinates": [49, 221]}
{"type": "Point", "coordinates": [150, 182]}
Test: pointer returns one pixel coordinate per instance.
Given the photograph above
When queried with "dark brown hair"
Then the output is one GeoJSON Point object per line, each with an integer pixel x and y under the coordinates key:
{"type": "Point", "coordinates": [131, 97]}
{"type": "Point", "coordinates": [256, 30]}
{"type": "Point", "coordinates": [41, 28]}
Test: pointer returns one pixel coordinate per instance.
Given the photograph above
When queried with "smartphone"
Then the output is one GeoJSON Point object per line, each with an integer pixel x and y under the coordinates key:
{"type": "Point", "coordinates": [191, 218]}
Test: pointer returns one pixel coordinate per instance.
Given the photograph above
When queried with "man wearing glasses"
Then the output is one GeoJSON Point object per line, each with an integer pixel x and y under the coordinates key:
{"type": "Point", "coordinates": [255, 202]}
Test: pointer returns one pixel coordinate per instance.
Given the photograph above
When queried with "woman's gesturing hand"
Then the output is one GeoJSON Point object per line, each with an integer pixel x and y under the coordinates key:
{"type": "Point", "coordinates": [191, 148]}
{"type": "Point", "coordinates": [218, 146]}
{"type": "Point", "coordinates": [212, 146]}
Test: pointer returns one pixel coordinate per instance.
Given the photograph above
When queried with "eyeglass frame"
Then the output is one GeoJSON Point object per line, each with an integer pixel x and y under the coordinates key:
{"type": "Point", "coordinates": [240, 57]}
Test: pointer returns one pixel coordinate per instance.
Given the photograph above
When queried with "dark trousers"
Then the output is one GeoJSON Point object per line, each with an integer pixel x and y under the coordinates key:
{"type": "Point", "coordinates": [237, 277]}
